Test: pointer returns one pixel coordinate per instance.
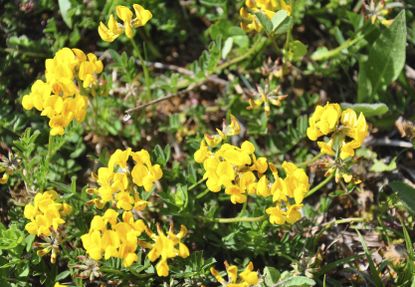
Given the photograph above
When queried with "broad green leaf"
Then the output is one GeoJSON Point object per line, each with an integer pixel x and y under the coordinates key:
{"type": "Point", "coordinates": [380, 166]}
{"type": "Point", "coordinates": [405, 193]}
{"type": "Point", "coordinates": [64, 6]}
{"type": "Point", "coordinates": [386, 60]}
{"type": "Point", "coordinates": [284, 26]}
{"type": "Point", "coordinates": [296, 281]}
{"type": "Point", "coordinates": [278, 18]}
{"type": "Point", "coordinates": [62, 275]}
{"type": "Point", "coordinates": [296, 50]}
{"type": "Point", "coordinates": [265, 22]}
{"type": "Point", "coordinates": [227, 47]}
{"type": "Point", "coordinates": [271, 276]}
{"type": "Point", "coordinates": [369, 110]}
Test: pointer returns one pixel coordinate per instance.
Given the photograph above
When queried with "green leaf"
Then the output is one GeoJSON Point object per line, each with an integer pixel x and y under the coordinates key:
{"type": "Point", "coordinates": [380, 166]}
{"type": "Point", "coordinates": [373, 270]}
{"type": "Point", "coordinates": [271, 276]}
{"type": "Point", "coordinates": [265, 22]}
{"type": "Point", "coordinates": [405, 193]}
{"type": "Point", "coordinates": [369, 110]}
{"type": "Point", "coordinates": [227, 47]}
{"type": "Point", "coordinates": [62, 275]}
{"type": "Point", "coordinates": [386, 60]}
{"type": "Point", "coordinates": [284, 26]}
{"type": "Point", "coordinates": [64, 6]}
{"type": "Point", "coordinates": [296, 50]}
{"type": "Point", "coordinates": [11, 237]}
{"type": "Point", "coordinates": [296, 281]}
{"type": "Point", "coordinates": [278, 19]}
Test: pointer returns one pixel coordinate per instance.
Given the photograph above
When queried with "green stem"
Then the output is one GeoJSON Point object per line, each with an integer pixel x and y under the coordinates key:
{"type": "Point", "coordinates": [307, 162]}
{"type": "Point", "coordinates": [336, 51]}
{"type": "Point", "coordinates": [25, 53]}
{"type": "Point", "coordinates": [239, 219]}
{"type": "Point", "coordinates": [150, 44]}
{"type": "Point", "coordinates": [257, 46]}
{"type": "Point", "coordinates": [201, 195]}
{"type": "Point", "coordinates": [320, 185]}
{"type": "Point", "coordinates": [343, 221]}
{"type": "Point", "coordinates": [144, 67]}
{"type": "Point", "coordinates": [196, 184]}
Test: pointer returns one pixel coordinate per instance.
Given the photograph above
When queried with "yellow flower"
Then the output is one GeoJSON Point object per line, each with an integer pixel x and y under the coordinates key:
{"type": "Point", "coordinates": [59, 98]}
{"type": "Point", "coordinates": [110, 32]}
{"type": "Point", "coordinates": [110, 237]}
{"type": "Point", "coordinates": [116, 180]}
{"type": "Point", "coordinates": [4, 178]}
{"type": "Point", "coordinates": [202, 153]}
{"type": "Point", "coordinates": [45, 214]}
{"type": "Point", "coordinates": [347, 130]}
{"type": "Point", "coordinates": [113, 29]}
{"type": "Point", "coordinates": [276, 215]}
{"type": "Point", "coordinates": [248, 275]}
{"type": "Point", "coordinates": [323, 121]}
{"type": "Point", "coordinates": [236, 193]}
{"type": "Point", "coordinates": [267, 7]}
{"type": "Point", "coordinates": [293, 213]}
{"type": "Point", "coordinates": [142, 16]}
{"type": "Point", "coordinates": [246, 278]}
{"type": "Point", "coordinates": [166, 247]}
{"type": "Point", "coordinates": [288, 194]}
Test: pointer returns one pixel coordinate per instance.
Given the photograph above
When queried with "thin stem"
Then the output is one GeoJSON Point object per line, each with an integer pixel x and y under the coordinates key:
{"type": "Point", "coordinates": [343, 221]}
{"type": "Point", "coordinates": [196, 184]}
{"type": "Point", "coordinates": [25, 53]}
{"type": "Point", "coordinates": [243, 209]}
{"type": "Point", "coordinates": [201, 195]}
{"type": "Point", "coordinates": [144, 67]}
{"type": "Point", "coordinates": [307, 162]}
{"type": "Point", "coordinates": [236, 219]}
{"type": "Point", "coordinates": [242, 57]}
{"type": "Point", "coordinates": [320, 185]}
{"type": "Point", "coordinates": [256, 47]}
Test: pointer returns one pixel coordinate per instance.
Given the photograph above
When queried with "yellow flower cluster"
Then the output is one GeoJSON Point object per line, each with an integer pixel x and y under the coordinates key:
{"type": "Point", "coordinates": [166, 247]}
{"type": "Point", "coordinates": [114, 29]}
{"type": "Point", "coordinates": [109, 237]}
{"type": "Point", "coordinates": [241, 174]}
{"type": "Point", "coordinates": [288, 194]}
{"type": "Point", "coordinates": [45, 214]}
{"type": "Point", "coordinates": [117, 180]}
{"type": "Point", "coordinates": [267, 7]}
{"type": "Point", "coordinates": [247, 278]}
{"type": "Point", "coordinates": [347, 130]}
{"type": "Point", "coordinates": [233, 168]}
{"type": "Point", "coordinates": [59, 98]}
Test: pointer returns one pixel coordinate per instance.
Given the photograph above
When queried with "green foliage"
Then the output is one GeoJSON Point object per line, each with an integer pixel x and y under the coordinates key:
{"type": "Point", "coordinates": [199, 67]}
{"type": "Point", "coordinates": [385, 61]}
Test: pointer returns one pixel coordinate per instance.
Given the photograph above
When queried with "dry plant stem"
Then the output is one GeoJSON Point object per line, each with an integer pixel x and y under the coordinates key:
{"type": "Point", "coordinates": [197, 84]}
{"type": "Point", "coordinates": [150, 103]}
